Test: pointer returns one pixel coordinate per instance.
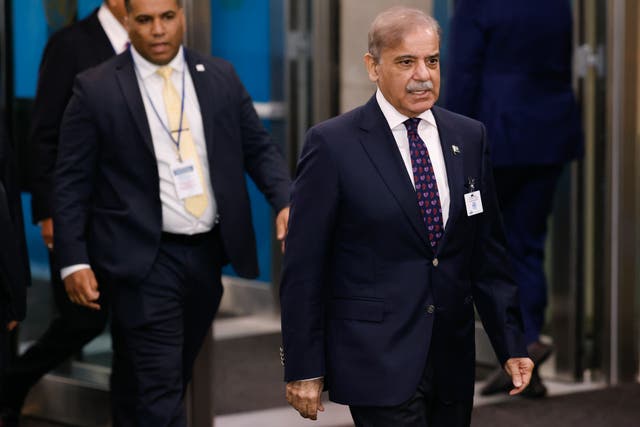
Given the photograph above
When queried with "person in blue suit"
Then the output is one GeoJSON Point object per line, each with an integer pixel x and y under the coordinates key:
{"type": "Point", "coordinates": [510, 68]}
{"type": "Point", "coordinates": [394, 236]}
{"type": "Point", "coordinates": [151, 201]}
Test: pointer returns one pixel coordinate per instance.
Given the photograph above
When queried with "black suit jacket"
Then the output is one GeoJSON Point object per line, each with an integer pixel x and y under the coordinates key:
{"type": "Point", "coordinates": [14, 260]}
{"type": "Point", "coordinates": [107, 201]}
{"type": "Point", "coordinates": [364, 298]}
{"type": "Point", "coordinates": [69, 51]}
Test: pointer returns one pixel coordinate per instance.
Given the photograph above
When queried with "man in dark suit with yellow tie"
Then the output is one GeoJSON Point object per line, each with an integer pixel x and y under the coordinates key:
{"type": "Point", "coordinates": [394, 236]}
{"type": "Point", "coordinates": [151, 200]}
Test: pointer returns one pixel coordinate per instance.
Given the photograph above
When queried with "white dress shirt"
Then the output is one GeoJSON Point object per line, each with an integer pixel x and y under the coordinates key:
{"type": "Point", "coordinates": [428, 131]}
{"type": "Point", "coordinates": [175, 218]}
{"type": "Point", "coordinates": [116, 33]}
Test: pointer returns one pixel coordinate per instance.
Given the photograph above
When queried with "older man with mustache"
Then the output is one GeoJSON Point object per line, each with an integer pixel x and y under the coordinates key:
{"type": "Point", "coordinates": [398, 199]}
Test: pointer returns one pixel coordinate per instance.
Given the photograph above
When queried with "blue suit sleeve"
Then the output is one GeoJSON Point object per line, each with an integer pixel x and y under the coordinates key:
{"type": "Point", "coordinates": [74, 179]}
{"type": "Point", "coordinates": [495, 292]}
{"type": "Point", "coordinates": [314, 207]}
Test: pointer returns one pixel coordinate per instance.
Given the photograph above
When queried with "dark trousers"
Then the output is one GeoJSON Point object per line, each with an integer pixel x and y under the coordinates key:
{"type": "Point", "coordinates": [424, 409]}
{"type": "Point", "coordinates": [73, 327]}
{"type": "Point", "coordinates": [526, 196]}
{"type": "Point", "coordinates": [158, 327]}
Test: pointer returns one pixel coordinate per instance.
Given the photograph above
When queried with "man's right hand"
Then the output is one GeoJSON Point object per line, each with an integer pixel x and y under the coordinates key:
{"type": "Point", "coordinates": [305, 397]}
{"type": "Point", "coordinates": [82, 288]}
{"type": "Point", "coordinates": [46, 229]}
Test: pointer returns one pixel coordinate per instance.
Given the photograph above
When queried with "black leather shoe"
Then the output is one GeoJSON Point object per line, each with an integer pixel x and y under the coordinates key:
{"type": "Point", "coordinates": [498, 382]}
{"type": "Point", "coordinates": [536, 389]}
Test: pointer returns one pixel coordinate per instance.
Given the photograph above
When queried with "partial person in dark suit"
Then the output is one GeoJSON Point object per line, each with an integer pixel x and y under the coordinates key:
{"type": "Point", "coordinates": [526, 101]}
{"type": "Point", "coordinates": [151, 201]}
{"type": "Point", "coordinates": [394, 235]}
{"type": "Point", "coordinates": [14, 260]}
{"type": "Point", "coordinates": [69, 51]}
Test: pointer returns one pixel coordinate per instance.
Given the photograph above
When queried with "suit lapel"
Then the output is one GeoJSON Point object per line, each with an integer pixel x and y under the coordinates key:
{"type": "Point", "coordinates": [382, 149]}
{"type": "Point", "coordinates": [453, 162]}
{"type": "Point", "coordinates": [126, 76]}
{"type": "Point", "coordinates": [206, 93]}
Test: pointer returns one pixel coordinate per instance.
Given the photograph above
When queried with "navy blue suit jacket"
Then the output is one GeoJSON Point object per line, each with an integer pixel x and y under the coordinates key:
{"type": "Point", "coordinates": [69, 51]}
{"type": "Point", "coordinates": [107, 200]}
{"type": "Point", "coordinates": [363, 301]}
{"type": "Point", "coordinates": [509, 66]}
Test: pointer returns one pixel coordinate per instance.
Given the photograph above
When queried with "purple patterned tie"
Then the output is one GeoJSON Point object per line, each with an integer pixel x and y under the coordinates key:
{"type": "Point", "coordinates": [425, 182]}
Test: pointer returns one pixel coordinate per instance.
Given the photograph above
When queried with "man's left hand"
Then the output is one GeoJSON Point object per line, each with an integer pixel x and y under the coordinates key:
{"type": "Point", "coordinates": [282, 222]}
{"type": "Point", "coordinates": [306, 397]}
{"type": "Point", "coordinates": [519, 369]}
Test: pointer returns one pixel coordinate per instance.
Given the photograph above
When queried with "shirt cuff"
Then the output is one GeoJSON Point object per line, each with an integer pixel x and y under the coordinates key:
{"type": "Point", "coordinates": [68, 271]}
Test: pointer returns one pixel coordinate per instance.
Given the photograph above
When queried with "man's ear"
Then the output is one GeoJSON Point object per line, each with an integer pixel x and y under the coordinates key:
{"type": "Point", "coordinates": [371, 64]}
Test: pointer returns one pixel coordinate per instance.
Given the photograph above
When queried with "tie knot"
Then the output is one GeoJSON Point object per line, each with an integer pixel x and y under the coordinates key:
{"type": "Point", "coordinates": [165, 71]}
{"type": "Point", "coordinates": [412, 124]}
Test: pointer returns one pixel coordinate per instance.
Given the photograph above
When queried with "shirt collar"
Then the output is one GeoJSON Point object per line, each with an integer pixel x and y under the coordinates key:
{"type": "Point", "coordinates": [146, 68]}
{"type": "Point", "coordinates": [116, 33]}
{"type": "Point", "coordinates": [395, 118]}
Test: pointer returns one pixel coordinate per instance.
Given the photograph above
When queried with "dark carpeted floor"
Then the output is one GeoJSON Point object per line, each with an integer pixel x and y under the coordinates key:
{"type": "Point", "coordinates": [612, 407]}
{"type": "Point", "coordinates": [248, 374]}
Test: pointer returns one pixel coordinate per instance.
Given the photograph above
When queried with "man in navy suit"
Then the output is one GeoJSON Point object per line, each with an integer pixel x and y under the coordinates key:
{"type": "Point", "coordinates": [391, 243]}
{"type": "Point", "coordinates": [14, 260]}
{"type": "Point", "coordinates": [69, 51]}
{"type": "Point", "coordinates": [151, 200]}
{"type": "Point", "coordinates": [533, 124]}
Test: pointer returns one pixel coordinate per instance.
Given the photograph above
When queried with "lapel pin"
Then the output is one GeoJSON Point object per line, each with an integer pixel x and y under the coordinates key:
{"type": "Point", "coordinates": [455, 149]}
{"type": "Point", "coordinates": [200, 67]}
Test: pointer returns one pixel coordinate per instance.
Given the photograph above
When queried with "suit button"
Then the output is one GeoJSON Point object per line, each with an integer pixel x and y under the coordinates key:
{"type": "Point", "coordinates": [435, 262]}
{"type": "Point", "coordinates": [431, 308]}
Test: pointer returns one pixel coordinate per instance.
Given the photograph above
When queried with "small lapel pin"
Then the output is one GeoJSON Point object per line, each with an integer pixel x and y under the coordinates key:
{"type": "Point", "coordinates": [455, 149]}
{"type": "Point", "coordinates": [200, 67]}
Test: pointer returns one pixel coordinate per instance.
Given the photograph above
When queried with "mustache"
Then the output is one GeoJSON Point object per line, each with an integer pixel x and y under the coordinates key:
{"type": "Point", "coordinates": [419, 86]}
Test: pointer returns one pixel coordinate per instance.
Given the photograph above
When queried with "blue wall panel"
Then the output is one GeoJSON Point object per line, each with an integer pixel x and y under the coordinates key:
{"type": "Point", "coordinates": [85, 7]}
{"type": "Point", "coordinates": [241, 34]}
{"type": "Point", "coordinates": [29, 38]}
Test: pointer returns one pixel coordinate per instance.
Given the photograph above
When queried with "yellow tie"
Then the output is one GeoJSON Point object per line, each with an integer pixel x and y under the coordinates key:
{"type": "Point", "coordinates": [195, 205]}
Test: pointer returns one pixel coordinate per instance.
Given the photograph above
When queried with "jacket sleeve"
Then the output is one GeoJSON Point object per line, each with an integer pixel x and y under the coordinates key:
{"type": "Point", "coordinates": [55, 82]}
{"type": "Point", "coordinates": [76, 166]}
{"type": "Point", "coordinates": [314, 205]}
{"type": "Point", "coordinates": [262, 157]}
{"type": "Point", "coordinates": [495, 291]}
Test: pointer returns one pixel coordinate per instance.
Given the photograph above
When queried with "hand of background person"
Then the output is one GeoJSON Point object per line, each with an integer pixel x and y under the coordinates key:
{"type": "Point", "coordinates": [12, 325]}
{"type": "Point", "coordinates": [82, 288]}
{"type": "Point", "coordinates": [519, 369]}
{"type": "Point", "coordinates": [46, 229]}
{"type": "Point", "coordinates": [282, 224]}
{"type": "Point", "coordinates": [305, 396]}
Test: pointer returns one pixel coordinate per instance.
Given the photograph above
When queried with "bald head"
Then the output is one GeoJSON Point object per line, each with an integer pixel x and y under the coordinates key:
{"type": "Point", "coordinates": [389, 28]}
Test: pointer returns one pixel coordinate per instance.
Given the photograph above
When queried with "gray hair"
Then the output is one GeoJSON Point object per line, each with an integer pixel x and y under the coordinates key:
{"type": "Point", "coordinates": [390, 27]}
